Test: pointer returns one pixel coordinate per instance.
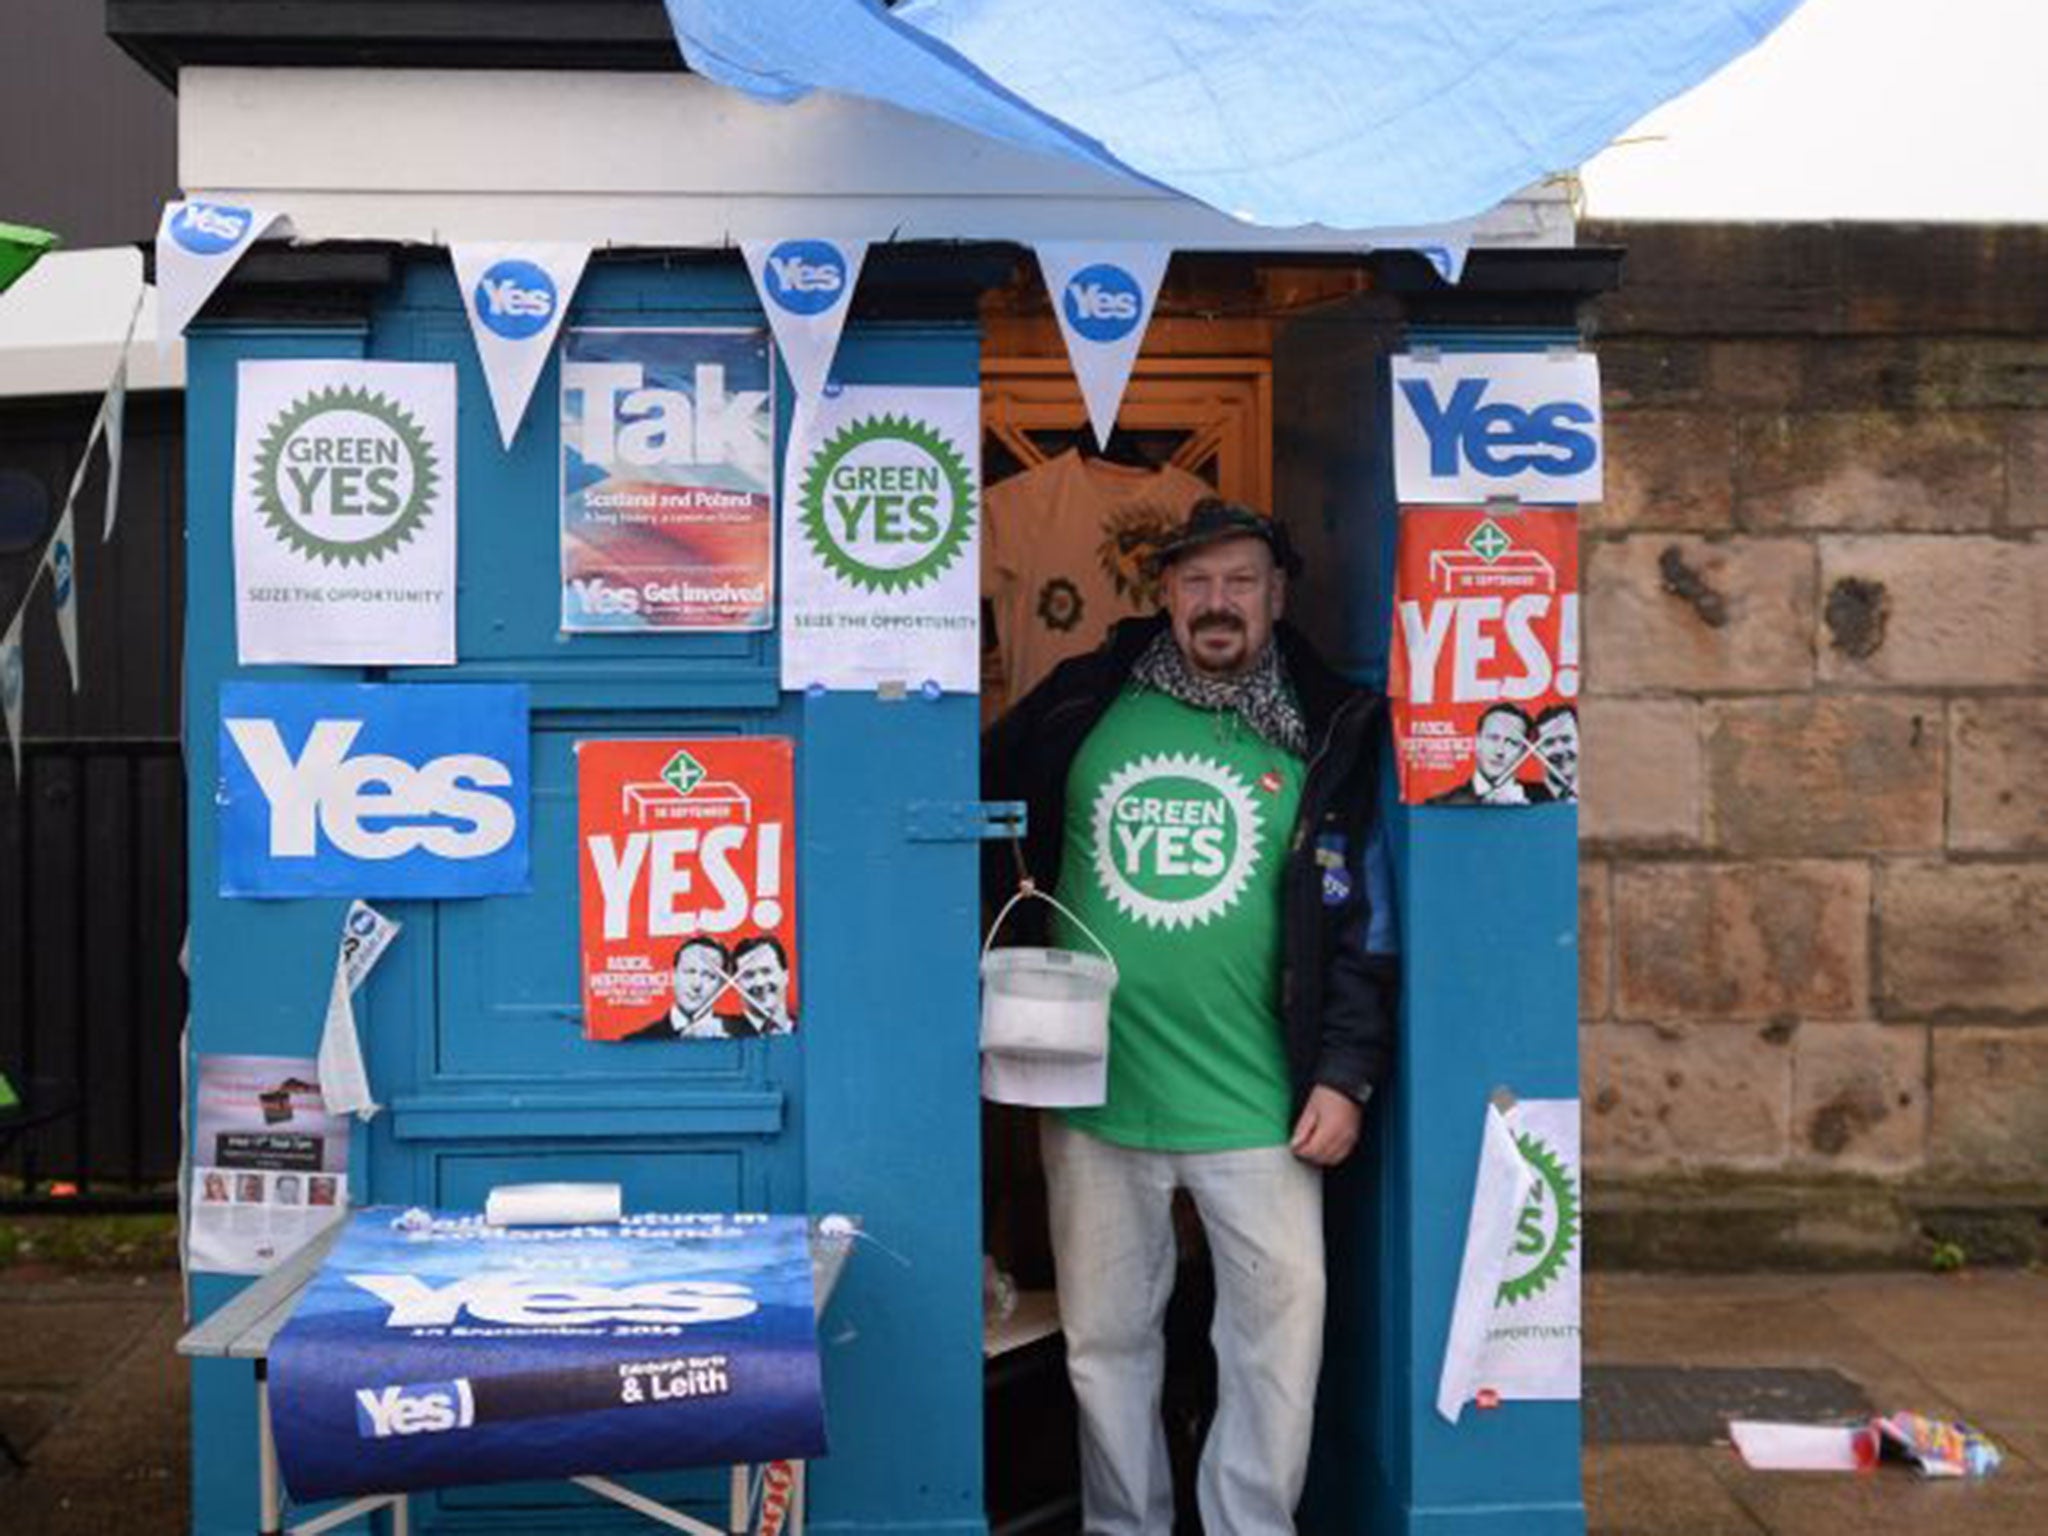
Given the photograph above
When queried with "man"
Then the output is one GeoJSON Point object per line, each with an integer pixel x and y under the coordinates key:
{"type": "Point", "coordinates": [1557, 746]}
{"type": "Point", "coordinates": [1498, 747]}
{"type": "Point", "coordinates": [760, 970]}
{"type": "Point", "coordinates": [1201, 795]}
{"type": "Point", "coordinates": [701, 976]}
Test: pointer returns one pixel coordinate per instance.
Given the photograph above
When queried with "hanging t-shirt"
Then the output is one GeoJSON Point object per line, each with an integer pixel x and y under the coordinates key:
{"type": "Point", "coordinates": [1064, 549]}
{"type": "Point", "coordinates": [1176, 833]}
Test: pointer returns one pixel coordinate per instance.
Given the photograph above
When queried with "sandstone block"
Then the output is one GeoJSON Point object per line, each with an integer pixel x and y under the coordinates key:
{"type": "Point", "coordinates": [1988, 1103]}
{"type": "Point", "coordinates": [1997, 789]}
{"type": "Point", "coordinates": [2026, 473]}
{"type": "Point", "coordinates": [1859, 1096]}
{"type": "Point", "coordinates": [1758, 374]}
{"type": "Point", "coordinates": [1641, 778]}
{"type": "Point", "coordinates": [1916, 611]}
{"type": "Point", "coordinates": [1870, 469]}
{"type": "Point", "coordinates": [1677, 613]}
{"type": "Point", "coordinates": [1667, 469]}
{"type": "Point", "coordinates": [1596, 941]}
{"type": "Point", "coordinates": [1962, 938]}
{"type": "Point", "coordinates": [1742, 941]}
{"type": "Point", "coordinates": [1841, 773]}
{"type": "Point", "coordinates": [1684, 1096]}
{"type": "Point", "coordinates": [1658, 373]}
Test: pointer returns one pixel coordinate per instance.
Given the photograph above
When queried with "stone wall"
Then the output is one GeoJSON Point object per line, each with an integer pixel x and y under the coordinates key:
{"type": "Point", "coordinates": [1815, 824]}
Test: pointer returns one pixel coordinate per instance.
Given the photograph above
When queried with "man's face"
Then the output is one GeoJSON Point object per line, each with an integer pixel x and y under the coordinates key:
{"type": "Point", "coordinates": [1557, 743]}
{"type": "Point", "coordinates": [763, 982]}
{"type": "Point", "coordinates": [1501, 744]}
{"type": "Point", "coordinates": [699, 975]}
{"type": "Point", "coordinates": [1223, 602]}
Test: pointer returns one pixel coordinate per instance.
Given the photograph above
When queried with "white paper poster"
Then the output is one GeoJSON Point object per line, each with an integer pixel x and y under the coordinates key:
{"type": "Point", "coordinates": [12, 683]}
{"type": "Point", "coordinates": [269, 1163]}
{"type": "Point", "coordinates": [197, 245]}
{"type": "Point", "coordinates": [516, 297]}
{"type": "Point", "coordinates": [1469, 426]}
{"type": "Point", "coordinates": [806, 286]}
{"type": "Point", "coordinates": [345, 513]}
{"type": "Point", "coordinates": [1515, 1326]}
{"type": "Point", "coordinates": [881, 541]}
{"type": "Point", "coordinates": [1103, 295]}
{"type": "Point", "coordinates": [60, 559]}
{"type": "Point", "coordinates": [344, 1084]}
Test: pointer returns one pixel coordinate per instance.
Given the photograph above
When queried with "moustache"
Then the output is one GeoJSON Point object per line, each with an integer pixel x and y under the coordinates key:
{"type": "Point", "coordinates": [1229, 621]}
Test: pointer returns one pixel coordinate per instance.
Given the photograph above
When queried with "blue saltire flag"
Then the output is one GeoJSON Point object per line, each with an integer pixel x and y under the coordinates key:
{"type": "Point", "coordinates": [1350, 114]}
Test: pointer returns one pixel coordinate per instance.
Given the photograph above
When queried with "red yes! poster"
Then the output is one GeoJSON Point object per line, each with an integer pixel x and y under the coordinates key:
{"type": "Point", "coordinates": [1484, 675]}
{"type": "Point", "coordinates": [686, 854]}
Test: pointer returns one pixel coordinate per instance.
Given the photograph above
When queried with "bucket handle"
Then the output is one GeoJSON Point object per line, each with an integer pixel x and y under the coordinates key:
{"type": "Point", "coordinates": [1028, 889]}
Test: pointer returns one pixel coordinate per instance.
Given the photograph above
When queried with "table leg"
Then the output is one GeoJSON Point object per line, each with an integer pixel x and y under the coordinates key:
{"type": "Point", "coordinates": [270, 1514]}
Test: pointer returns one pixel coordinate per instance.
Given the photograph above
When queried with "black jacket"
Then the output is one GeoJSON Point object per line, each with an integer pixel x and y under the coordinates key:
{"type": "Point", "coordinates": [1337, 992]}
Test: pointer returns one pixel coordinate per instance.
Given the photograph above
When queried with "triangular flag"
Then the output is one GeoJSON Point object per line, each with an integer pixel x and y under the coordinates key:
{"type": "Point", "coordinates": [114, 413]}
{"type": "Point", "coordinates": [807, 288]}
{"type": "Point", "coordinates": [12, 686]}
{"type": "Point", "coordinates": [115, 409]}
{"type": "Point", "coordinates": [1103, 295]}
{"type": "Point", "coordinates": [516, 297]}
{"type": "Point", "coordinates": [344, 1085]}
{"type": "Point", "coordinates": [197, 245]}
{"type": "Point", "coordinates": [60, 559]}
{"type": "Point", "coordinates": [1443, 246]}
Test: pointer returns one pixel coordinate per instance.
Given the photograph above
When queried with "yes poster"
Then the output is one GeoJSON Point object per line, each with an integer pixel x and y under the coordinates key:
{"type": "Point", "coordinates": [881, 541]}
{"type": "Point", "coordinates": [344, 513]}
{"type": "Point", "coordinates": [1484, 676]}
{"type": "Point", "coordinates": [432, 1349]}
{"type": "Point", "coordinates": [687, 859]}
{"type": "Point", "coordinates": [668, 480]}
{"type": "Point", "coordinates": [1515, 1322]}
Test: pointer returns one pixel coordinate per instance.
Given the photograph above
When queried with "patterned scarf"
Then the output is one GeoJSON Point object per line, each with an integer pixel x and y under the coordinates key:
{"type": "Point", "coordinates": [1261, 697]}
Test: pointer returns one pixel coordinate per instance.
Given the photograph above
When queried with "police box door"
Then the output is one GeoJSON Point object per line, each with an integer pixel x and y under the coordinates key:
{"type": "Point", "coordinates": [475, 1022]}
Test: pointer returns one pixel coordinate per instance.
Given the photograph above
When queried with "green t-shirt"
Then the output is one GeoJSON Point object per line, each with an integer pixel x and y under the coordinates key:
{"type": "Point", "coordinates": [1177, 821]}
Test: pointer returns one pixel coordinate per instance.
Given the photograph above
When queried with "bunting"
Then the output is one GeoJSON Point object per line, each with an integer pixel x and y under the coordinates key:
{"type": "Point", "coordinates": [516, 297]}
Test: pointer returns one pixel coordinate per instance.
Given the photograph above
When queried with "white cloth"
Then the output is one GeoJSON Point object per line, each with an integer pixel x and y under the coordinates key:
{"type": "Point", "coordinates": [1113, 1250]}
{"type": "Point", "coordinates": [1063, 555]}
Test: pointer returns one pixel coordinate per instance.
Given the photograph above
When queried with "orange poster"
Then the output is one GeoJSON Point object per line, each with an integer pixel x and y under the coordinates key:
{"type": "Point", "coordinates": [1484, 676]}
{"type": "Point", "coordinates": [687, 860]}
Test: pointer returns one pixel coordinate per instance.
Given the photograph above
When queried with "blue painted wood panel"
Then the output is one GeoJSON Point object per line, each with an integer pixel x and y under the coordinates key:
{"type": "Point", "coordinates": [472, 1025]}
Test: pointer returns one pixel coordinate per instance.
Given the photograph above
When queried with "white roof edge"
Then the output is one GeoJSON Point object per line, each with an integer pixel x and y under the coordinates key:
{"type": "Point", "coordinates": [431, 156]}
{"type": "Point", "coordinates": [62, 322]}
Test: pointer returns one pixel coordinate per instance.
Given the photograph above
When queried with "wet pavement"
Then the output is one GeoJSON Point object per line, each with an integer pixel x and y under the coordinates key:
{"type": "Point", "coordinates": [93, 1397]}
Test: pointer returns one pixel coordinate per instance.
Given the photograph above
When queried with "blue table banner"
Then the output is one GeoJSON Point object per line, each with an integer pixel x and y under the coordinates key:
{"type": "Point", "coordinates": [432, 1349]}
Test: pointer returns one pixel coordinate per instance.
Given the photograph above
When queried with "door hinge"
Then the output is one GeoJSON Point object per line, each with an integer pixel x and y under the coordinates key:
{"type": "Point", "coordinates": [962, 821]}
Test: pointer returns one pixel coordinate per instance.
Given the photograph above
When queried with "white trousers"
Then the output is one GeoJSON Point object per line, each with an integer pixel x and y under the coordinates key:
{"type": "Point", "coordinates": [1113, 1251]}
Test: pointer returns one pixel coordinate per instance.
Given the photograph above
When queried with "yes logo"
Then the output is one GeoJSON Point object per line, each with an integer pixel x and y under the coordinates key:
{"type": "Point", "coordinates": [60, 572]}
{"type": "Point", "coordinates": [394, 791]}
{"type": "Point", "coordinates": [10, 675]}
{"type": "Point", "coordinates": [806, 277]}
{"type": "Point", "coordinates": [1468, 426]}
{"type": "Point", "coordinates": [528, 1301]}
{"type": "Point", "coordinates": [207, 229]}
{"type": "Point", "coordinates": [1102, 302]}
{"type": "Point", "coordinates": [424, 1408]}
{"type": "Point", "coordinates": [1499, 439]}
{"type": "Point", "coordinates": [515, 299]}
{"type": "Point", "coordinates": [888, 503]}
{"type": "Point", "coordinates": [344, 475]}
{"type": "Point", "coordinates": [1176, 838]}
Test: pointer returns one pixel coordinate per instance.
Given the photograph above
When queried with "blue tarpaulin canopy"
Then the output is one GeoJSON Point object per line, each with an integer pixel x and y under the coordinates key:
{"type": "Point", "coordinates": [1351, 114]}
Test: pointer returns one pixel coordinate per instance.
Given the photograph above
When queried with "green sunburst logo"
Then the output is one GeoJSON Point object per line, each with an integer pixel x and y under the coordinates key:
{"type": "Point", "coordinates": [887, 504]}
{"type": "Point", "coordinates": [344, 475]}
{"type": "Point", "coordinates": [1546, 1231]}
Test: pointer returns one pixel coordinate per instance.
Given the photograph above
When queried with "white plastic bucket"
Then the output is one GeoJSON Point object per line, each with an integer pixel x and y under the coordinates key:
{"type": "Point", "coordinates": [1045, 1002]}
